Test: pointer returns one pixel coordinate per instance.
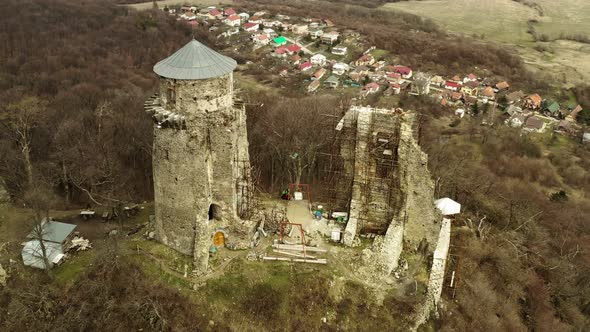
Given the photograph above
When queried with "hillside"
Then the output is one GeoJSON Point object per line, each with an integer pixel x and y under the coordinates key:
{"type": "Point", "coordinates": [76, 77]}
{"type": "Point", "coordinates": [509, 22]}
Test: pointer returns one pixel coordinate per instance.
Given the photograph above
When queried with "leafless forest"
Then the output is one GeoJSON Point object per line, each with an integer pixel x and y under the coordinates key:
{"type": "Point", "coordinates": [73, 80]}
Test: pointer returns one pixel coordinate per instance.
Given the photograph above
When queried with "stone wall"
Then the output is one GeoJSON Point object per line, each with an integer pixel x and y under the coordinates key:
{"type": "Point", "coordinates": [420, 216]}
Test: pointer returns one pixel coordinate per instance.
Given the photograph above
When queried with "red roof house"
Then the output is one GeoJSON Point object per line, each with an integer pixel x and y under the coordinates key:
{"type": "Point", "coordinates": [305, 66]}
{"type": "Point", "coordinates": [293, 48]}
{"type": "Point", "coordinates": [406, 72]}
{"type": "Point", "coordinates": [251, 27]}
{"type": "Point", "coordinates": [229, 12]}
{"type": "Point", "coordinates": [451, 85]}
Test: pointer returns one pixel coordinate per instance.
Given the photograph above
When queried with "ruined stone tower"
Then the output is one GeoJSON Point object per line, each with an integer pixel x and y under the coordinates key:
{"type": "Point", "coordinates": [200, 151]}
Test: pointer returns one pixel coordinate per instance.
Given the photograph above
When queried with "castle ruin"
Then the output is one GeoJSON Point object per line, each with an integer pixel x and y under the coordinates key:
{"type": "Point", "coordinates": [200, 152]}
{"type": "Point", "coordinates": [385, 183]}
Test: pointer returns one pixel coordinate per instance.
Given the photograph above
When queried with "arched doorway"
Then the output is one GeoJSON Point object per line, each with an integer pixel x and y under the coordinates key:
{"type": "Point", "coordinates": [214, 212]}
{"type": "Point", "coordinates": [219, 239]}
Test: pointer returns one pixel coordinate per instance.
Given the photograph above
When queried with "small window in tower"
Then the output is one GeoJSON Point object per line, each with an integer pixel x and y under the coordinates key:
{"type": "Point", "coordinates": [171, 94]}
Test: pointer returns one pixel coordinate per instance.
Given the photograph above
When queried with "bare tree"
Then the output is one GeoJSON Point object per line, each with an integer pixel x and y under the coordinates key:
{"type": "Point", "coordinates": [40, 200]}
{"type": "Point", "coordinates": [21, 118]}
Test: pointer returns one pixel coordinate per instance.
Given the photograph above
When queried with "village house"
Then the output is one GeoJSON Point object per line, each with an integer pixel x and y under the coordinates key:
{"type": "Point", "coordinates": [551, 108]}
{"type": "Point", "coordinates": [516, 121]}
{"type": "Point", "coordinates": [189, 16]}
{"type": "Point", "coordinates": [533, 101]}
{"type": "Point", "coordinates": [534, 124]}
{"type": "Point", "coordinates": [437, 81]}
{"type": "Point", "coordinates": [572, 117]}
{"type": "Point", "coordinates": [395, 88]}
{"type": "Point", "coordinates": [377, 76]}
{"type": "Point", "coordinates": [215, 14]}
{"type": "Point", "coordinates": [460, 112]}
{"type": "Point", "coordinates": [295, 59]}
{"type": "Point", "coordinates": [229, 12]}
{"type": "Point", "coordinates": [513, 110]}
{"type": "Point", "coordinates": [378, 65]}
{"type": "Point", "coordinates": [329, 23]}
{"type": "Point", "coordinates": [488, 93]}
{"type": "Point", "coordinates": [233, 21]}
{"type": "Point", "coordinates": [261, 39]}
{"type": "Point", "coordinates": [456, 78]}
{"type": "Point", "coordinates": [319, 74]}
{"type": "Point", "coordinates": [305, 66]}
{"type": "Point", "coordinates": [565, 127]}
{"type": "Point", "coordinates": [251, 27]}
{"type": "Point", "coordinates": [280, 52]}
{"type": "Point", "coordinates": [452, 85]}
{"type": "Point", "coordinates": [456, 96]}
{"type": "Point", "coordinates": [340, 68]}
{"type": "Point", "coordinates": [54, 236]}
{"type": "Point", "coordinates": [358, 73]}
{"type": "Point", "coordinates": [393, 77]}
{"type": "Point", "coordinates": [293, 49]}
{"type": "Point", "coordinates": [470, 78]}
{"type": "Point", "coordinates": [244, 17]}
{"type": "Point", "coordinates": [255, 19]}
{"type": "Point", "coordinates": [315, 34]}
{"type": "Point", "coordinates": [330, 37]}
{"type": "Point", "coordinates": [300, 29]}
{"type": "Point", "coordinates": [370, 88]}
{"type": "Point", "coordinates": [318, 60]}
{"type": "Point", "coordinates": [260, 13]}
{"type": "Point", "coordinates": [586, 138]}
{"type": "Point", "coordinates": [332, 81]}
{"type": "Point", "coordinates": [365, 60]}
{"type": "Point", "coordinates": [514, 97]}
{"type": "Point", "coordinates": [502, 86]}
{"type": "Point", "coordinates": [470, 88]}
{"type": "Point", "coordinates": [339, 50]}
{"type": "Point", "coordinates": [279, 41]}
{"type": "Point", "coordinates": [406, 72]}
{"type": "Point", "coordinates": [271, 33]}
{"type": "Point", "coordinates": [313, 86]}
{"type": "Point", "coordinates": [470, 100]}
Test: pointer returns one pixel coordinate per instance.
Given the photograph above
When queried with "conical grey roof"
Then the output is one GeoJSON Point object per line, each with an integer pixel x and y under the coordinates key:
{"type": "Point", "coordinates": [195, 61]}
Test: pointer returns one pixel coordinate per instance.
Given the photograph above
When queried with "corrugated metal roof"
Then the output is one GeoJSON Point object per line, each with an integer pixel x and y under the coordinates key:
{"type": "Point", "coordinates": [195, 61]}
{"type": "Point", "coordinates": [54, 231]}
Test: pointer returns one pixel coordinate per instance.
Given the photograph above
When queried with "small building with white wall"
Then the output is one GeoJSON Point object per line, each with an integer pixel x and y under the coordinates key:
{"type": "Point", "coordinates": [55, 236]}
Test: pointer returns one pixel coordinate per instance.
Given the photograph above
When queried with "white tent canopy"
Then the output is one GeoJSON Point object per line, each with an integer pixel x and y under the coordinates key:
{"type": "Point", "coordinates": [448, 206]}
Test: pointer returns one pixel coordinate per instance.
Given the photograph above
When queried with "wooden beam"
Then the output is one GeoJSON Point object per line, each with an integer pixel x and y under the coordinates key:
{"type": "Point", "coordinates": [293, 254]}
{"type": "Point", "coordinates": [296, 260]}
{"type": "Point", "coordinates": [297, 247]}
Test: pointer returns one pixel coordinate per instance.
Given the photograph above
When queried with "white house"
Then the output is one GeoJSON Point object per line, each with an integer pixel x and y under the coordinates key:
{"type": "Point", "coordinates": [330, 37]}
{"type": "Point", "coordinates": [340, 68]}
{"type": "Point", "coordinates": [244, 17]}
{"type": "Point", "coordinates": [55, 237]}
{"type": "Point", "coordinates": [516, 121]}
{"type": "Point", "coordinates": [315, 34]}
{"type": "Point", "coordinates": [318, 60]}
{"type": "Point", "coordinates": [339, 50]}
{"type": "Point", "coordinates": [233, 21]}
{"type": "Point", "coordinates": [300, 29]}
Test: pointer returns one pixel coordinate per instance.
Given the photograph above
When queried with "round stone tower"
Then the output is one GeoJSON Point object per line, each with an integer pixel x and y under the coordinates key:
{"type": "Point", "coordinates": [200, 152]}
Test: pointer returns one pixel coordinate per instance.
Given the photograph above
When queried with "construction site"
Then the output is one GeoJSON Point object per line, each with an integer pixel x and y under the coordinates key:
{"type": "Point", "coordinates": [376, 222]}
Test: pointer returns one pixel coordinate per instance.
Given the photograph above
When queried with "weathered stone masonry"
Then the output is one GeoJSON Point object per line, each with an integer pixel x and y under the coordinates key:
{"type": "Point", "coordinates": [200, 155]}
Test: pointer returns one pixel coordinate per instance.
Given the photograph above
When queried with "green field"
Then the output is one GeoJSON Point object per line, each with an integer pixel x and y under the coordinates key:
{"type": "Point", "coordinates": [506, 21]}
